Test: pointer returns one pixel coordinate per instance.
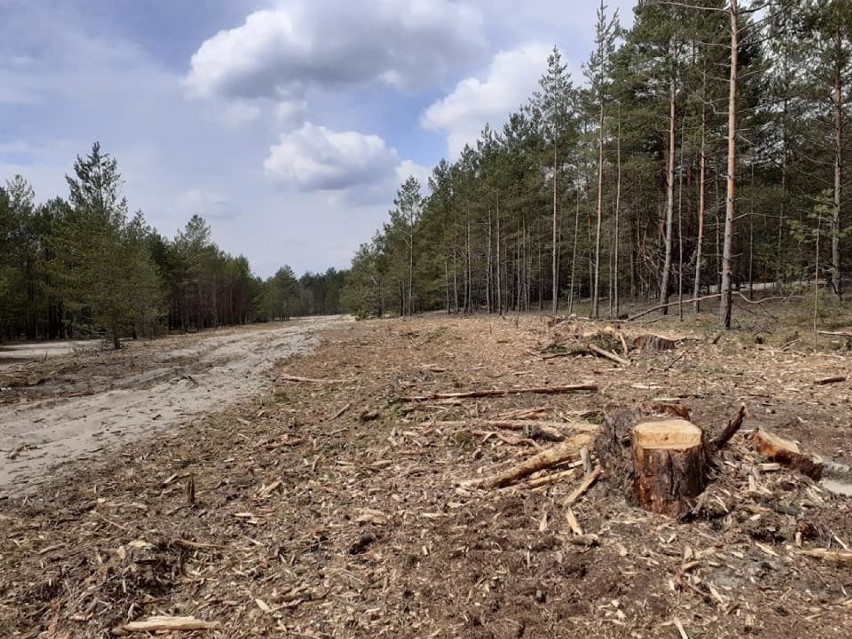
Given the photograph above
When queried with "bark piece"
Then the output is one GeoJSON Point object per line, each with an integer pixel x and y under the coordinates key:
{"type": "Point", "coordinates": [612, 445]}
{"type": "Point", "coordinates": [670, 465]}
{"type": "Point", "coordinates": [785, 451]}
{"type": "Point", "coordinates": [569, 450]}
{"type": "Point", "coordinates": [734, 424]}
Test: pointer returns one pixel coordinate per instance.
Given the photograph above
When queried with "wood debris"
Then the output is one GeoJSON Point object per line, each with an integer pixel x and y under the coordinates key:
{"type": "Point", "coordinates": [784, 451]}
{"type": "Point", "coordinates": [568, 450]}
{"type": "Point", "coordinates": [164, 623]}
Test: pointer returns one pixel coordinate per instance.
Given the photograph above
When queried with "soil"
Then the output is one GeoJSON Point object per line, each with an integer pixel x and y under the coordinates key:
{"type": "Point", "coordinates": [330, 505]}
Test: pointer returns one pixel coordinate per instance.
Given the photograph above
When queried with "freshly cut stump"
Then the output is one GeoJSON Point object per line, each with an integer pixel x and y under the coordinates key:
{"type": "Point", "coordinates": [670, 464]}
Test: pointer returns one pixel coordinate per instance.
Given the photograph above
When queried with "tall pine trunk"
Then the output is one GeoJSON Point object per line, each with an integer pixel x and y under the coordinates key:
{"type": "Point", "coordinates": [702, 206]}
{"type": "Point", "coordinates": [599, 215]}
{"type": "Point", "coordinates": [669, 212]}
{"type": "Point", "coordinates": [731, 193]}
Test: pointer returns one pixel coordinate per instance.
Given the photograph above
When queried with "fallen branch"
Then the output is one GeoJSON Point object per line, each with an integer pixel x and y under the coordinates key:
{"type": "Point", "coordinates": [568, 450]}
{"type": "Point", "coordinates": [155, 624]}
{"type": "Point", "coordinates": [554, 431]}
{"type": "Point", "coordinates": [340, 412]}
{"type": "Point", "coordinates": [309, 380]}
{"type": "Point", "coordinates": [660, 307]}
{"type": "Point", "coordinates": [734, 424]}
{"type": "Point", "coordinates": [540, 390]}
{"type": "Point", "coordinates": [837, 556]}
{"type": "Point", "coordinates": [488, 434]}
{"type": "Point", "coordinates": [713, 296]}
{"type": "Point", "coordinates": [552, 478]}
{"type": "Point", "coordinates": [609, 355]}
{"type": "Point", "coordinates": [582, 488]}
{"type": "Point", "coordinates": [836, 333]}
{"type": "Point", "coordinates": [830, 380]}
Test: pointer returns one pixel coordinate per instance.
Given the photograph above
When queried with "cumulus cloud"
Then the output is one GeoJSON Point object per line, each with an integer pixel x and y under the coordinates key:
{"type": "Point", "coordinates": [509, 82]}
{"type": "Point", "coordinates": [207, 203]}
{"type": "Point", "coordinates": [409, 168]}
{"type": "Point", "coordinates": [278, 52]}
{"type": "Point", "coordinates": [317, 159]}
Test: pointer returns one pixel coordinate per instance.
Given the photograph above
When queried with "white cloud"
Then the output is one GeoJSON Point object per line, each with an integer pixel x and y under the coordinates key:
{"type": "Point", "coordinates": [291, 115]}
{"type": "Point", "coordinates": [509, 82]}
{"type": "Point", "coordinates": [279, 52]}
{"type": "Point", "coordinates": [208, 203]}
{"type": "Point", "coordinates": [239, 112]}
{"type": "Point", "coordinates": [317, 159]}
{"type": "Point", "coordinates": [408, 168]}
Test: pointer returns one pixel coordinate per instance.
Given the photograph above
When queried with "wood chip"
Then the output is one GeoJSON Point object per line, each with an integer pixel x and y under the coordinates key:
{"type": "Point", "coordinates": [582, 488]}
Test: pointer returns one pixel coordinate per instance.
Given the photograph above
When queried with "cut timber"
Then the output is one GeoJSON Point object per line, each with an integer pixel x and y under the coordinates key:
{"type": "Point", "coordinates": [670, 464]}
{"type": "Point", "coordinates": [538, 390]}
{"type": "Point", "coordinates": [785, 451]}
{"type": "Point", "coordinates": [569, 450]}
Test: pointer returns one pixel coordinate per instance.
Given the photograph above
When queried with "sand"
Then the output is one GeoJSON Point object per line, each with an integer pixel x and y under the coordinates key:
{"type": "Point", "coordinates": [192, 375]}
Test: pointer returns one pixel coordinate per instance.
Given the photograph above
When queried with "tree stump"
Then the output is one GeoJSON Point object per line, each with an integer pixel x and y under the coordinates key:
{"type": "Point", "coordinates": [670, 465]}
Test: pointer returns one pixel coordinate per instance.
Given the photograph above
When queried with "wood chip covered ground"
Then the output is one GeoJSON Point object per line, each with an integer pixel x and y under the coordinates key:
{"type": "Point", "coordinates": [356, 501]}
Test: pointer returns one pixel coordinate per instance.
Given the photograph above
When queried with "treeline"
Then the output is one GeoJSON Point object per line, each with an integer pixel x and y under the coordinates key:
{"type": "Point", "coordinates": [83, 265]}
{"type": "Point", "coordinates": [705, 151]}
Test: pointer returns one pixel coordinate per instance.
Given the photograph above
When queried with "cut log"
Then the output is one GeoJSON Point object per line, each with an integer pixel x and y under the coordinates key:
{"type": "Point", "coordinates": [569, 450]}
{"type": "Point", "coordinates": [670, 465]}
{"type": "Point", "coordinates": [785, 451]}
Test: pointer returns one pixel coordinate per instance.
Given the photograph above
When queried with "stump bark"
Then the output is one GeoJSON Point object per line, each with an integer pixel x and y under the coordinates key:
{"type": "Point", "coordinates": [670, 465]}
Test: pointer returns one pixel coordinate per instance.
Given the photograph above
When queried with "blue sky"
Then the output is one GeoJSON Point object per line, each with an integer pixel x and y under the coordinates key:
{"type": "Point", "coordinates": [287, 124]}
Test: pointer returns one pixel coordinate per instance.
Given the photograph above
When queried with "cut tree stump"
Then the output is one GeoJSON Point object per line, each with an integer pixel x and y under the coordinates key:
{"type": "Point", "coordinates": [670, 465]}
{"type": "Point", "coordinates": [785, 451]}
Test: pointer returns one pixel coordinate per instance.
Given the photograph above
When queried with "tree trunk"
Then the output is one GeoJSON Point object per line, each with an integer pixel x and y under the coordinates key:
{"type": "Point", "coordinates": [730, 200]}
{"type": "Point", "coordinates": [574, 254]}
{"type": "Point", "coordinates": [599, 215]}
{"type": "Point", "coordinates": [667, 264]}
{"type": "Point", "coordinates": [702, 204]}
{"type": "Point", "coordinates": [616, 300]}
{"type": "Point", "coordinates": [555, 265]}
{"type": "Point", "coordinates": [838, 177]}
{"type": "Point", "coordinates": [499, 263]}
{"type": "Point", "coordinates": [670, 465]}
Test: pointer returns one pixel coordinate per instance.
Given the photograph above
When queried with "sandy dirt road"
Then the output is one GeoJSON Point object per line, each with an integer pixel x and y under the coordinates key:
{"type": "Point", "coordinates": [91, 402]}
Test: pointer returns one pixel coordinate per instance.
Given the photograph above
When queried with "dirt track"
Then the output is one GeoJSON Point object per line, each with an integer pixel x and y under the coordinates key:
{"type": "Point", "coordinates": [54, 416]}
